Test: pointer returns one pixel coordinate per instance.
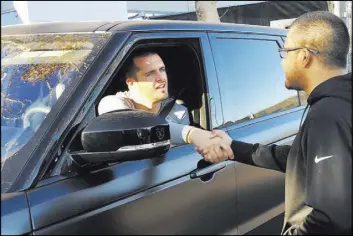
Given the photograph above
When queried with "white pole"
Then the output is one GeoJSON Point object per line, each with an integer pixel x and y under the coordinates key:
{"type": "Point", "coordinates": [336, 8]}
{"type": "Point", "coordinates": [343, 9]}
{"type": "Point", "coordinates": [349, 25]}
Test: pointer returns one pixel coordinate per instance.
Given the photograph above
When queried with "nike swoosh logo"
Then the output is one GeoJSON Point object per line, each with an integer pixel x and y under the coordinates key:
{"type": "Point", "coordinates": [317, 160]}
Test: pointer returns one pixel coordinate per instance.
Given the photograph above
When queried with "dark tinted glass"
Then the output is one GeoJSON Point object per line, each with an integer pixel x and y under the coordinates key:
{"type": "Point", "coordinates": [251, 79]}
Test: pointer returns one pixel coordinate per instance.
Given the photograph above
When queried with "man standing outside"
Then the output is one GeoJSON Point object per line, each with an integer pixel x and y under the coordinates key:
{"type": "Point", "coordinates": [318, 166]}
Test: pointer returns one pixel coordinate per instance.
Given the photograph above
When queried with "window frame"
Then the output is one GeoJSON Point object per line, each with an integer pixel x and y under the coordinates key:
{"type": "Point", "coordinates": [208, 77]}
{"type": "Point", "coordinates": [279, 40]}
{"type": "Point", "coordinates": [155, 44]}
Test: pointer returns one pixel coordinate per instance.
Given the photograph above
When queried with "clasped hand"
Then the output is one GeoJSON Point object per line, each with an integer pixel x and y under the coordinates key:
{"type": "Point", "coordinates": [213, 146]}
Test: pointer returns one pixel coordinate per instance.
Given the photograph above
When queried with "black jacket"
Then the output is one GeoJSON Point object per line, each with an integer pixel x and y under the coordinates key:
{"type": "Point", "coordinates": [318, 165]}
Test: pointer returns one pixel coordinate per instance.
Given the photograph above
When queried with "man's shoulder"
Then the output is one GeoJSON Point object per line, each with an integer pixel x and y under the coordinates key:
{"type": "Point", "coordinates": [330, 108]}
{"type": "Point", "coordinates": [115, 102]}
{"type": "Point", "coordinates": [328, 113]}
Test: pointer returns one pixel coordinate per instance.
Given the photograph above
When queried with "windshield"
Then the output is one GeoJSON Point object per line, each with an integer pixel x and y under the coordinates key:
{"type": "Point", "coordinates": [35, 71]}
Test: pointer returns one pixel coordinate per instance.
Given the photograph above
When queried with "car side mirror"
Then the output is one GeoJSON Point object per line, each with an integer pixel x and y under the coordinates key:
{"type": "Point", "coordinates": [123, 135]}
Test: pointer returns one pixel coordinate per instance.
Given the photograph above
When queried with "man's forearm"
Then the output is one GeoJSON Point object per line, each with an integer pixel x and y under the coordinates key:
{"type": "Point", "coordinates": [182, 134]}
{"type": "Point", "coordinates": [270, 157]}
{"type": "Point", "coordinates": [243, 151]}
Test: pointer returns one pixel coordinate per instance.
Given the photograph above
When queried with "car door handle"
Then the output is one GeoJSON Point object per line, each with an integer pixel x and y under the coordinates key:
{"type": "Point", "coordinates": [207, 170]}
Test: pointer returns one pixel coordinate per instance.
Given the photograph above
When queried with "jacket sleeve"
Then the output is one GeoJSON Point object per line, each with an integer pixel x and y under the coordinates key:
{"type": "Point", "coordinates": [272, 157]}
{"type": "Point", "coordinates": [327, 147]}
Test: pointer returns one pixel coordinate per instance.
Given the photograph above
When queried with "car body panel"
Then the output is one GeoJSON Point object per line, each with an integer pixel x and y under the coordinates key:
{"type": "Point", "coordinates": [15, 216]}
{"type": "Point", "coordinates": [160, 187]}
{"type": "Point", "coordinates": [260, 192]}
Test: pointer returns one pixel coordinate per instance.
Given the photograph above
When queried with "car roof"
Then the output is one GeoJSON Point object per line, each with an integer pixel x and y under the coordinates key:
{"type": "Point", "coordinates": [132, 25]}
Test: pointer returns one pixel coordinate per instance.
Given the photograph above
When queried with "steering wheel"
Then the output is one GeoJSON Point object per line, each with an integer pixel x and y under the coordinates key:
{"type": "Point", "coordinates": [29, 112]}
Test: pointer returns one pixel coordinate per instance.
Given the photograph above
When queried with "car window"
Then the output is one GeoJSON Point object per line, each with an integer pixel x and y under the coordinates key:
{"type": "Point", "coordinates": [35, 70]}
{"type": "Point", "coordinates": [251, 79]}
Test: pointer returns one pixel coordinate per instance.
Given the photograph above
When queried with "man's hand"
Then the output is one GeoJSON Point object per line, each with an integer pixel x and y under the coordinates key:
{"type": "Point", "coordinates": [218, 148]}
{"type": "Point", "coordinates": [223, 135]}
{"type": "Point", "coordinates": [200, 138]}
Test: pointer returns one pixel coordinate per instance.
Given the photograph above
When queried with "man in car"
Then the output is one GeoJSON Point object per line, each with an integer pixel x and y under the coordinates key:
{"type": "Point", "coordinates": [318, 165]}
{"type": "Point", "coordinates": [148, 91]}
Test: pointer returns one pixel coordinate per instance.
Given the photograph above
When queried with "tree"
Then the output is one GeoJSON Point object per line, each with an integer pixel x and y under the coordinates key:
{"type": "Point", "coordinates": [207, 11]}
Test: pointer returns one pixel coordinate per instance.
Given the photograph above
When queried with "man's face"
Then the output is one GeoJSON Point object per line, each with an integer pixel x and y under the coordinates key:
{"type": "Point", "coordinates": [151, 79]}
{"type": "Point", "coordinates": [291, 64]}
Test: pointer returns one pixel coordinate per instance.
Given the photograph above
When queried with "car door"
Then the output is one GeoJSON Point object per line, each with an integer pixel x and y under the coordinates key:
{"type": "Point", "coordinates": [177, 193]}
{"type": "Point", "coordinates": [257, 108]}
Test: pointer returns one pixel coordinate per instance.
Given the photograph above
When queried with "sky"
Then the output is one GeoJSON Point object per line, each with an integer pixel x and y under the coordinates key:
{"type": "Point", "coordinates": [250, 75]}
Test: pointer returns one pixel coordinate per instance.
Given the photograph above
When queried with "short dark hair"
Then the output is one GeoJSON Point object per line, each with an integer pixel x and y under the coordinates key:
{"type": "Point", "coordinates": [131, 68]}
{"type": "Point", "coordinates": [327, 33]}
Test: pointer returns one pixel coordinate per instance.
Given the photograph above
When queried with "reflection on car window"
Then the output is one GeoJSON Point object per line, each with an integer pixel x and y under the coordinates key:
{"type": "Point", "coordinates": [35, 70]}
{"type": "Point", "coordinates": [251, 79]}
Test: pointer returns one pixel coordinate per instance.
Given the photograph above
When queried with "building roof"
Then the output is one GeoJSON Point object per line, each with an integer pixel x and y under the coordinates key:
{"type": "Point", "coordinates": [146, 25]}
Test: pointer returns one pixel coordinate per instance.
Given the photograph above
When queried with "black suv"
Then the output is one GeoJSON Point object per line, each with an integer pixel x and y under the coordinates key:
{"type": "Point", "coordinates": [57, 180]}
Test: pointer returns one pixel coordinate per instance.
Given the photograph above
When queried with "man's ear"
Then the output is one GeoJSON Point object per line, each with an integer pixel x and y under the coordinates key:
{"type": "Point", "coordinates": [305, 58]}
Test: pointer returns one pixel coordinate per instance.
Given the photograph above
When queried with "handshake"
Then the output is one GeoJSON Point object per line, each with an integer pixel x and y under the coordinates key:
{"type": "Point", "coordinates": [213, 146]}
